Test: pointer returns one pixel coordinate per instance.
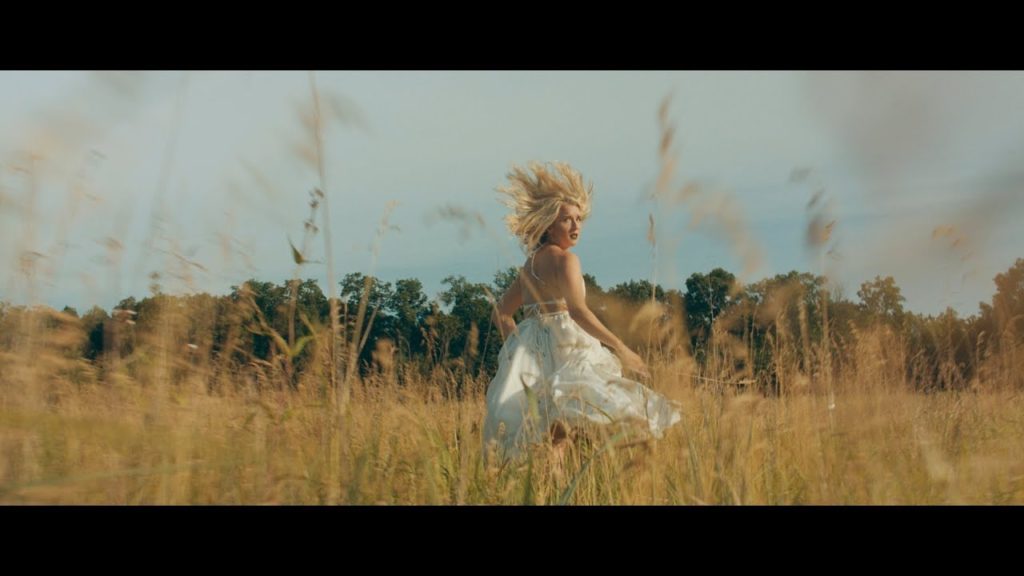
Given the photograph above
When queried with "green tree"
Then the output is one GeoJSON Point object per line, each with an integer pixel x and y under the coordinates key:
{"type": "Point", "coordinates": [270, 302]}
{"type": "Point", "coordinates": [93, 324]}
{"type": "Point", "coordinates": [377, 322]}
{"type": "Point", "coordinates": [503, 279]}
{"type": "Point", "coordinates": [471, 307]}
{"type": "Point", "coordinates": [1004, 318]}
{"type": "Point", "coordinates": [707, 296]}
{"type": "Point", "coordinates": [635, 291]}
{"type": "Point", "coordinates": [881, 300]}
{"type": "Point", "coordinates": [408, 306]}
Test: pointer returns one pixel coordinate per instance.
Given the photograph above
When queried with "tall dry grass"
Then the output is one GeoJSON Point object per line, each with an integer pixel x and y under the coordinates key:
{"type": "Point", "coordinates": [167, 425]}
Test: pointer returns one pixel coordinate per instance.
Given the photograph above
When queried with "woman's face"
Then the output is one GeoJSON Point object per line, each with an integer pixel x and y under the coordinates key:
{"type": "Point", "coordinates": [567, 227]}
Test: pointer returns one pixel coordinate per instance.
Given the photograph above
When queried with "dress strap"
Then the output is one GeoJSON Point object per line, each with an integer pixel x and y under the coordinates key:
{"type": "Point", "coordinates": [532, 271]}
{"type": "Point", "coordinates": [534, 308]}
{"type": "Point", "coordinates": [555, 301]}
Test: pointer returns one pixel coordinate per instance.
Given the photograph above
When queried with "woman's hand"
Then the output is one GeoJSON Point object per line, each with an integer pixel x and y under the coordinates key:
{"type": "Point", "coordinates": [632, 361]}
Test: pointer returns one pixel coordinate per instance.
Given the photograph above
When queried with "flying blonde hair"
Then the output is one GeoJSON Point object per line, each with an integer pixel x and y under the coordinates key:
{"type": "Point", "coordinates": [536, 198]}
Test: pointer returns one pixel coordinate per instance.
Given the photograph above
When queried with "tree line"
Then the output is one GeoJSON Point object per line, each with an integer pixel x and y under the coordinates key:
{"type": "Point", "coordinates": [752, 333]}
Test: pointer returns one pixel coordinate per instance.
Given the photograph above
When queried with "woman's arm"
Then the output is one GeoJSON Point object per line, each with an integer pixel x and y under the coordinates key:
{"type": "Point", "coordinates": [571, 278]}
{"type": "Point", "coordinates": [510, 301]}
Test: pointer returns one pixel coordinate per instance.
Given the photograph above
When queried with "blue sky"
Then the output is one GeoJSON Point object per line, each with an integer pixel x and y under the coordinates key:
{"type": "Point", "coordinates": [204, 176]}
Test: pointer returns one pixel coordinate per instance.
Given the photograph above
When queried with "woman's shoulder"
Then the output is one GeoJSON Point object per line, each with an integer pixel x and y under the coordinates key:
{"type": "Point", "coordinates": [555, 253]}
{"type": "Point", "coordinates": [564, 258]}
{"type": "Point", "coordinates": [548, 257]}
{"type": "Point", "coordinates": [552, 260]}
{"type": "Point", "coordinates": [559, 259]}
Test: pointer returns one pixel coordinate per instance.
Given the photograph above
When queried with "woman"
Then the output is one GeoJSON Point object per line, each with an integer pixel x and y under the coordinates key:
{"type": "Point", "coordinates": [553, 374]}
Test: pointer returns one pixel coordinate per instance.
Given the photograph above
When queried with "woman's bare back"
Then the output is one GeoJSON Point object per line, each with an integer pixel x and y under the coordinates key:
{"type": "Point", "coordinates": [538, 280]}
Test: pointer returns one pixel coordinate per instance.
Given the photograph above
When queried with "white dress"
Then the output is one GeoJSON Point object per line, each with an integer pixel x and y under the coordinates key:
{"type": "Point", "coordinates": [550, 370]}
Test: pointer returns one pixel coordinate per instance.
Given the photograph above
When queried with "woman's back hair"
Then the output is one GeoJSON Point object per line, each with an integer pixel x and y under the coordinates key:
{"type": "Point", "coordinates": [535, 196]}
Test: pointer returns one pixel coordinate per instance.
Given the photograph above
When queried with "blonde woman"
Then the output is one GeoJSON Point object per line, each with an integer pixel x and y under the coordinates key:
{"type": "Point", "coordinates": [553, 374]}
